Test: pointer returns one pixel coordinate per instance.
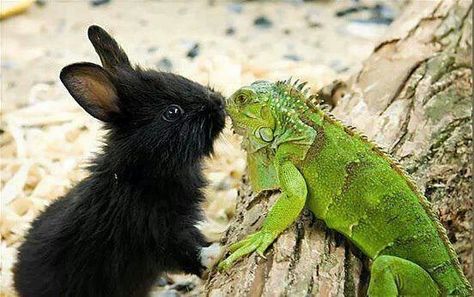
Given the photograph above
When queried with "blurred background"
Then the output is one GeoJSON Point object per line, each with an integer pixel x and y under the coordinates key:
{"type": "Point", "coordinates": [46, 139]}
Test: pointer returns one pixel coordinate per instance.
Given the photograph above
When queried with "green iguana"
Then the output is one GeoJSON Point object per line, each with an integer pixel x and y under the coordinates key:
{"type": "Point", "coordinates": [346, 181]}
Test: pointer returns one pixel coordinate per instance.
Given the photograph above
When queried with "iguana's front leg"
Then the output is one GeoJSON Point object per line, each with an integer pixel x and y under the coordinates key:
{"type": "Point", "coordinates": [283, 213]}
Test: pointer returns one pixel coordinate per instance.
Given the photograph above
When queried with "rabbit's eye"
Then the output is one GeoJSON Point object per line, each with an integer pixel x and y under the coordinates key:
{"type": "Point", "coordinates": [172, 113]}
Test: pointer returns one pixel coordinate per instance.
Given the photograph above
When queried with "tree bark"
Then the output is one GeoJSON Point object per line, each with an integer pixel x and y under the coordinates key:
{"type": "Point", "coordinates": [413, 97]}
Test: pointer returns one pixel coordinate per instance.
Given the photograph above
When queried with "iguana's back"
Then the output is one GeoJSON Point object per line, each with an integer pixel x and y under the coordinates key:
{"type": "Point", "coordinates": [359, 191]}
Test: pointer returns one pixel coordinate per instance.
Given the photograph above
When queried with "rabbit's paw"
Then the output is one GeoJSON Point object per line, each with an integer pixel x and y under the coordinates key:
{"type": "Point", "coordinates": [210, 255]}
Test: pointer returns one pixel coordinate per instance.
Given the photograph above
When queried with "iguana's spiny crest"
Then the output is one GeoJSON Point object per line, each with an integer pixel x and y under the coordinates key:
{"type": "Point", "coordinates": [268, 114]}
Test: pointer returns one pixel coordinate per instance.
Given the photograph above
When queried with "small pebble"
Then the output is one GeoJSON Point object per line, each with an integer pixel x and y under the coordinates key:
{"type": "Point", "coordinates": [384, 13]}
{"type": "Point", "coordinates": [377, 14]}
{"type": "Point", "coordinates": [49, 82]}
{"type": "Point", "coordinates": [338, 66]}
{"type": "Point", "coordinates": [194, 51]}
{"type": "Point", "coordinates": [165, 64]}
{"type": "Point", "coordinates": [40, 2]}
{"type": "Point", "coordinates": [99, 2]}
{"type": "Point", "coordinates": [313, 20]}
{"type": "Point", "coordinates": [230, 31]}
{"type": "Point", "coordinates": [350, 10]}
{"type": "Point", "coordinates": [235, 7]}
{"type": "Point", "coordinates": [263, 22]}
{"type": "Point", "coordinates": [152, 49]}
{"type": "Point", "coordinates": [292, 57]}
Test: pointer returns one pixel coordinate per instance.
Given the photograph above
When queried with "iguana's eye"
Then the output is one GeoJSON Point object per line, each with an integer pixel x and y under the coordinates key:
{"type": "Point", "coordinates": [241, 98]}
{"type": "Point", "coordinates": [243, 95]}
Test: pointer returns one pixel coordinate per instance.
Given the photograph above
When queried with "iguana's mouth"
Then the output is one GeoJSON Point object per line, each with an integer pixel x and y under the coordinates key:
{"type": "Point", "coordinates": [237, 129]}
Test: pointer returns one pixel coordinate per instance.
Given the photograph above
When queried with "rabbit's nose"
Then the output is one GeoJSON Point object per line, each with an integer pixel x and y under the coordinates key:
{"type": "Point", "coordinates": [219, 103]}
{"type": "Point", "coordinates": [218, 107]}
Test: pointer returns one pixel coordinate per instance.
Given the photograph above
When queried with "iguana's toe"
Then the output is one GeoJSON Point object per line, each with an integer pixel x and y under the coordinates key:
{"type": "Point", "coordinates": [224, 265]}
{"type": "Point", "coordinates": [237, 245]}
{"type": "Point", "coordinates": [258, 242]}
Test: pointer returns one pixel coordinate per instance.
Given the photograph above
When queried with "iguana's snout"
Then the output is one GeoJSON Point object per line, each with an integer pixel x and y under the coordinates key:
{"type": "Point", "coordinates": [250, 110]}
{"type": "Point", "coordinates": [245, 105]}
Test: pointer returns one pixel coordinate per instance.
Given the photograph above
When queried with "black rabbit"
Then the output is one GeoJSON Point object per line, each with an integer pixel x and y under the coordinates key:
{"type": "Point", "coordinates": [134, 216]}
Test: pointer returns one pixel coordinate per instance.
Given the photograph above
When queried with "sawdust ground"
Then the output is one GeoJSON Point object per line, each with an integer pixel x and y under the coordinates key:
{"type": "Point", "coordinates": [46, 139]}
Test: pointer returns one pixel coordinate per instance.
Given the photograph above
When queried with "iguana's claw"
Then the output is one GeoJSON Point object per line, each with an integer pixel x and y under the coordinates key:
{"type": "Point", "coordinates": [224, 265]}
{"type": "Point", "coordinates": [258, 242]}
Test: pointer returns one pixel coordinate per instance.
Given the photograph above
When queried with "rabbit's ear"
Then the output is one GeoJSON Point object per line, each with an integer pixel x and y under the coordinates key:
{"type": "Point", "coordinates": [110, 53]}
{"type": "Point", "coordinates": [92, 87]}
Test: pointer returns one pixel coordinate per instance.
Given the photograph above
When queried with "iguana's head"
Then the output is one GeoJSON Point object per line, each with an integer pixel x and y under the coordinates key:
{"type": "Point", "coordinates": [268, 115]}
{"type": "Point", "coordinates": [251, 113]}
{"type": "Point", "coordinates": [264, 110]}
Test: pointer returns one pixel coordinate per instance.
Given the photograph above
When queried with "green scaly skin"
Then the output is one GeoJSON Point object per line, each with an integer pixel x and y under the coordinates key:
{"type": "Point", "coordinates": [347, 182]}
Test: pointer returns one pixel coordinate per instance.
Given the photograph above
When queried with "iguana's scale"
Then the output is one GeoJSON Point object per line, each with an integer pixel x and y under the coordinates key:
{"type": "Point", "coordinates": [348, 182]}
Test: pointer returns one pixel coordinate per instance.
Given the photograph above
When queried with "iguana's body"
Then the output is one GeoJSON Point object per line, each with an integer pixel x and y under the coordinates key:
{"type": "Point", "coordinates": [346, 181]}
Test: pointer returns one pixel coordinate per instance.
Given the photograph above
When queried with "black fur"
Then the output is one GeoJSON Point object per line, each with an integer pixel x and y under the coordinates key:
{"type": "Point", "coordinates": [134, 216]}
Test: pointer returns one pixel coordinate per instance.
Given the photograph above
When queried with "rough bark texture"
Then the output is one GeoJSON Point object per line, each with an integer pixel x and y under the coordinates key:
{"type": "Point", "coordinates": [413, 97]}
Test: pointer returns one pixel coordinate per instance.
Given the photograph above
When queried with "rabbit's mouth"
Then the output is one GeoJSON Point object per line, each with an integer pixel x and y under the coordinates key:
{"type": "Point", "coordinates": [211, 131]}
{"type": "Point", "coordinates": [216, 124]}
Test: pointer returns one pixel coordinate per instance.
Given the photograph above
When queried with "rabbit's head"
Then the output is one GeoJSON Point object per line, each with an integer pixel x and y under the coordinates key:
{"type": "Point", "coordinates": [156, 116]}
